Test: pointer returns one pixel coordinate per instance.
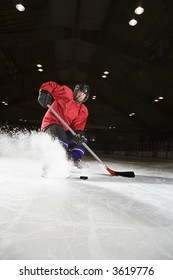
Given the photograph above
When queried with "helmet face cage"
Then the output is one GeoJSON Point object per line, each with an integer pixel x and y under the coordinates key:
{"type": "Point", "coordinates": [83, 88]}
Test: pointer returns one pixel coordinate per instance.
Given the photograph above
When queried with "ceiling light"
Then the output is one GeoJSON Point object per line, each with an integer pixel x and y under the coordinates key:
{"type": "Point", "coordinates": [106, 72]}
{"type": "Point", "coordinates": [39, 65]}
{"type": "Point", "coordinates": [5, 103]}
{"type": "Point", "coordinates": [40, 69]}
{"type": "Point", "coordinates": [131, 114]}
{"type": "Point", "coordinates": [161, 97]}
{"type": "Point", "coordinates": [133, 22]}
{"type": "Point", "coordinates": [156, 100]}
{"type": "Point", "coordinates": [104, 76]}
{"type": "Point", "coordinates": [139, 10]}
{"type": "Point", "coordinates": [20, 7]}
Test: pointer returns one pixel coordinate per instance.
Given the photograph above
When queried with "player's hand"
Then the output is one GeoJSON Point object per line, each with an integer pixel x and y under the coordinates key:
{"type": "Point", "coordinates": [45, 98]}
{"type": "Point", "coordinates": [79, 139]}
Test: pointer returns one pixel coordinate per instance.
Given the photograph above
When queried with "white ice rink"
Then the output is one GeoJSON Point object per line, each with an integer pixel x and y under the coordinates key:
{"type": "Point", "coordinates": [103, 217]}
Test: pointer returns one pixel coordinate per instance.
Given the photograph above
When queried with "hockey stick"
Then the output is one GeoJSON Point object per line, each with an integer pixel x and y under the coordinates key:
{"type": "Point", "coordinates": [112, 172]}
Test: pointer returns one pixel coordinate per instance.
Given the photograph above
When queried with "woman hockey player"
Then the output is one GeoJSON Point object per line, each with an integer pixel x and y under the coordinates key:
{"type": "Point", "coordinates": [69, 105]}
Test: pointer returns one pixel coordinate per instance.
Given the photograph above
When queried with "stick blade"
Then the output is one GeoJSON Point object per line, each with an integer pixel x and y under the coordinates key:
{"type": "Point", "coordinates": [129, 174]}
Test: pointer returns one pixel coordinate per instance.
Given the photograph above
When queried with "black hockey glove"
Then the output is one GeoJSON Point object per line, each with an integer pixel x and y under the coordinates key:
{"type": "Point", "coordinates": [79, 139]}
{"type": "Point", "coordinates": [45, 98]}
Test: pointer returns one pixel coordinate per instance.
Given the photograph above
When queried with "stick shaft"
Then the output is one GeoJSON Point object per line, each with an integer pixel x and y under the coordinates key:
{"type": "Point", "coordinates": [112, 172]}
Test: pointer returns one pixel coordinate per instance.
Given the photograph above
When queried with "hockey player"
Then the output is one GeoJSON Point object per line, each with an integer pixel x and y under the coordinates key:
{"type": "Point", "coordinates": [69, 105]}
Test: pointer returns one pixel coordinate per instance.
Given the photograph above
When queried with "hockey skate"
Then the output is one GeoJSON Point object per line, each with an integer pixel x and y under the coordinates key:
{"type": "Point", "coordinates": [78, 163]}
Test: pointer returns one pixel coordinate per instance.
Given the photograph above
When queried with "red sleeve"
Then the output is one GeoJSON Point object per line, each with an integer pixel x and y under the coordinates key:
{"type": "Point", "coordinates": [49, 86]}
{"type": "Point", "coordinates": [57, 90]}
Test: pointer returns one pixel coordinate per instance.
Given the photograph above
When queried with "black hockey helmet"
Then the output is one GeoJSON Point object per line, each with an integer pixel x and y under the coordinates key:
{"type": "Point", "coordinates": [83, 88]}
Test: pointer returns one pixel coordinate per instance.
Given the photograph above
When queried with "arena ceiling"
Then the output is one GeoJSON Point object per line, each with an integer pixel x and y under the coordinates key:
{"type": "Point", "coordinates": [75, 41]}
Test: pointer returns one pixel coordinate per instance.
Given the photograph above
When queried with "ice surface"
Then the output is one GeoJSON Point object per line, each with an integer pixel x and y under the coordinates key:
{"type": "Point", "coordinates": [62, 217]}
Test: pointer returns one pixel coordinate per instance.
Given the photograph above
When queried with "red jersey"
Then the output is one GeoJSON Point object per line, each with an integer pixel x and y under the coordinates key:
{"type": "Point", "coordinates": [75, 115]}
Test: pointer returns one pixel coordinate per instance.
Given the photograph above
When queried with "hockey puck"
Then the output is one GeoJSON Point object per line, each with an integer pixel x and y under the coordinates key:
{"type": "Point", "coordinates": [84, 177]}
